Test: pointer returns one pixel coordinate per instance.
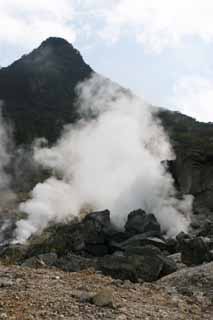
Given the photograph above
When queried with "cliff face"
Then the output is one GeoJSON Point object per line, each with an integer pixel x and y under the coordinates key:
{"type": "Point", "coordinates": [193, 167]}
{"type": "Point", "coordinates": [38, 90]}
{"type": "Point", "coordinates": [38, 94]}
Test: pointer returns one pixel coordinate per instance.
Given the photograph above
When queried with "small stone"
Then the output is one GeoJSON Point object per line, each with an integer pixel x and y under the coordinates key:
{"type": "Point", "coordinates": [103, 298]}
{"type": "Point", "coordinates": [5, 282]}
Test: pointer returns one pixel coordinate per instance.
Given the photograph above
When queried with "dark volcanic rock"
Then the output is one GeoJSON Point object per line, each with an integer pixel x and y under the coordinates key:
{"type": "Point", "coordinates": [59, 238]}
{"type": "Point", "coordinates": [150, 265]}
{"type": "Point", "coordinates": [140, 222]}
{"type": "Point", "coordinates": [141, 240]}
{"type": "Point", "coordinates": [74, 263]}
{"type": "Point", "coordinates": [195, 251]}
{"type": "Point", "coordinates": [90, 236]}
{"type": "Point", "coordinates": [97, 230]}
{"type": "Point", "coordinates": [97, 227]}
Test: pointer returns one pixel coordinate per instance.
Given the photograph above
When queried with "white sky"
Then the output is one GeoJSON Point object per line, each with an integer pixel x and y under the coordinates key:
{"type": "Point", "coordinates": [161, 49]}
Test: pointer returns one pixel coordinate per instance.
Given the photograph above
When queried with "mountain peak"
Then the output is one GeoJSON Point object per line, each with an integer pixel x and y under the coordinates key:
{"type": "Point", "coordinates": [55, 41]}
{"type": "Point", "coordinates": [53, 51]}
{"type": "Point", "coordinates": [40, 88]}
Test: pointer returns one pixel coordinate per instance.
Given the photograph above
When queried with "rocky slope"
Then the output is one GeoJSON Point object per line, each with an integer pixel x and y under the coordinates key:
{"type": "Point", "coordinates": [109, 274]}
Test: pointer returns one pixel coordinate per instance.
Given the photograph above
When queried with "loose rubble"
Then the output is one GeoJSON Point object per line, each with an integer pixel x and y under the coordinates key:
{"type": "Point", "coordinates": [90, 270]}
{"type": "Point", "coordinates": [35, 294]}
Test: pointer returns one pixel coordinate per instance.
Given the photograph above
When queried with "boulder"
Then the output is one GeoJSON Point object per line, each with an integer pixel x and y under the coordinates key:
{"type": "Point", "coordinates": [97, 230]}
{"type": "Point", "coordinates": [149, 264]}
{"type": "Point", "coordinates": [195, 251]}
{"type": "Point", "coordinates": [97, 227]}
{"type": "Point", "coordinates": [98, 233]}
{"type": "Point", "coordinates": [140, 222]}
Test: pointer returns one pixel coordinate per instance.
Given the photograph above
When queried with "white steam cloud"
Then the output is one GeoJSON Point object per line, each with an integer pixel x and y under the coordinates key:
{"type": "Point", "coordinates": [113, 161]}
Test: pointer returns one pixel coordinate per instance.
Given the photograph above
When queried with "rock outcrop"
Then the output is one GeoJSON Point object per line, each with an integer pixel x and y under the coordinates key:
{"type": "Point", "coordinates": [193, 168]}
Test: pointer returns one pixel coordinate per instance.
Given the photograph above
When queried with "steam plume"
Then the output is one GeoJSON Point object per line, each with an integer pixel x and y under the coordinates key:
{"type": "Point", "coordinates": [113, 160]}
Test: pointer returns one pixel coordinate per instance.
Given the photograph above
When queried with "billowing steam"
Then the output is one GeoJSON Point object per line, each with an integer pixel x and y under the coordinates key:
{"type": "Point", "coordinates": [113, 160]}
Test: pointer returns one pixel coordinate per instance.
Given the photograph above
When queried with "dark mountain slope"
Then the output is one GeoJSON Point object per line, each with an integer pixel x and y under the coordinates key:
{"type": "Point", "coordinates": [38, 89]}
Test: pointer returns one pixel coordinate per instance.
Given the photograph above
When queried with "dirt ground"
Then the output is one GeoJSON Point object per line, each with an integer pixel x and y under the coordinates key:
{"type": "Point", "coordinates": [28, 294]}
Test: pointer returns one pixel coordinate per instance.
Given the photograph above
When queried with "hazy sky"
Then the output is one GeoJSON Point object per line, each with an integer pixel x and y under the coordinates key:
{"type": "Point", "coordinates": [161, 49]}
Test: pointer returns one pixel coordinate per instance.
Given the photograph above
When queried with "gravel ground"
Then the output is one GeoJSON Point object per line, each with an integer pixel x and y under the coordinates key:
{"type": "Point", "coordinates": [28, 294]}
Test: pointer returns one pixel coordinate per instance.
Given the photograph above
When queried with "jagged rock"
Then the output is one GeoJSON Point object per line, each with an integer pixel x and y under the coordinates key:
{"type": "Point", "coordinates": [97, 230]}
{"type": "Point", "coordinates": [195, 251]}
{"type": "Point", "coordinates": [148, 266]}
{"type": "Point", "coordinates": [95, 225]}
{"type": "Point", "coordinates": [141, 240]}
{"type": "Point", "coordinates": [140, 222]}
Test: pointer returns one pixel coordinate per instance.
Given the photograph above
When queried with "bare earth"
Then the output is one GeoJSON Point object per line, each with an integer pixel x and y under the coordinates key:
{"type": "Point", "coordinates": [51, 294]}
